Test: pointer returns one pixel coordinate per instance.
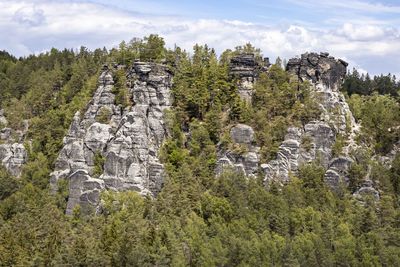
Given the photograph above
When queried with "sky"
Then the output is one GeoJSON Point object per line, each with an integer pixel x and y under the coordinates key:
{"type": "Point", "coordinates": [364, 33]}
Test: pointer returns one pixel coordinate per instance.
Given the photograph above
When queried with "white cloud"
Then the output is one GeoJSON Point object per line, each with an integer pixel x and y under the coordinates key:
{"type": "Point", "coordinates": [356, 5]}
{"type": "Point", "coordinates": [30, 16]}
{"type": "Point", "coordinates": [42, 24]}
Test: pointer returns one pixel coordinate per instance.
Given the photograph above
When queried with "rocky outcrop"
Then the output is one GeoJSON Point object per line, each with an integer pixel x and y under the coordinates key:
{"type": "Point", "coordinates": [318, 69]}
{"type": "Point", "coordinates": [301, 145]}
{"type": "Point", "coordinates": [115, 148]}
{"type": "Point", "coordinates": [13, 154]}
{"type": "Point", "coordinates": [245, 158]}
{"type": "Point", "coordinates": [3, 120]}
{"type": "Point", "coordinates": [245, 69]}
{"type": "Point", "coordinates": [314, 141]}
{"type": "Point", "coordinates": [389, 157]}
{"type": "Point", "coordinates": [366, 189]}
{"type": "Point", "coordinates": [13, 157]}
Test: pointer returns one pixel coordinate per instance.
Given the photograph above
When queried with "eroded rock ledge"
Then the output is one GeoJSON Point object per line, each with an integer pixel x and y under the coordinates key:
{"type": "Point", "coordinates": [314, 142]}
{"type": "Point", "coordinates": [246, 69]}
{"type": "Point", "coordinates": [120, 153]}
{"type": "Point", "coordinates": [246, 157]}
{"type": "Point", "coordinates": [13, 154]}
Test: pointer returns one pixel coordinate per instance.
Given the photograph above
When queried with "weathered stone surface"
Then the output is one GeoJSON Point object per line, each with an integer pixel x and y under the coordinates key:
{"type": "Point", "coordinates": [318, 68]}
{"type": "Point", "coordinates": [337, 171]}
{"type": "Point", "coordinates": [3, 120]}
{"type": "Point", "coordinates": [366, 189]}
{"type": "Point", "coordinates": [84, 191]}
{"type": "Point", "coordinates": [12, 151]}
{"type": "Point", "coordinates": [389, 157]}
{"type": "Point", "coordinates": [5, 133]}
{"type": "Point", "coordinates": [247, 161]}
{"type": "Point", "coordinates": [13, 156]}
{"type": "Point", "coordinates": [315, 140]}
{"type": "Point", "coordinates": [301, 145]}
{"type": "Point", "coordinates": [242, 134]}
{"type": "Point", "coordinates": [128, 143]}
{"type": "Point", "coordinates": [246, 69]}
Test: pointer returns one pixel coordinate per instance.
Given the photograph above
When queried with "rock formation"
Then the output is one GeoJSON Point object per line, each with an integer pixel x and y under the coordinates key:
{"type": "Point", "coordinates": [315, 140]}
{"type": "Point", "coordinates": [12, 151]}
{"type": "Point", "coordinates": [246, 160]}
{"type": "Point", "coordinates": [111, 147]}
{"type": "Point", "coordinates": [246, 69]}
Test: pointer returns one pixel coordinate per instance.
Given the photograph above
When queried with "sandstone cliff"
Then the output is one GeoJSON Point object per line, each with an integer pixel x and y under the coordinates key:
{"type": "Point", "coordinates": [314, 141]}
{"type": "Point", "coordinates": [115, 148]}
{"type": "Point", "coordinates": [121, 152]}
{"type": "Point", "coordinates": [12, 151]}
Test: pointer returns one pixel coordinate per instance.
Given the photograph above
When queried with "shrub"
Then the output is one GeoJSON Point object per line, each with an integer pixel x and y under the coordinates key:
{"type": "Point", "coordinates": [104, 115]}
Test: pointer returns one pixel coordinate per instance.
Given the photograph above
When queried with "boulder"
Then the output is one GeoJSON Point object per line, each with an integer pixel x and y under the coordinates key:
{"type": "Point", "coordinates": [242, 134]}
{"type": "Point", "coordinates": [366, 189]}
{"type": "Point", "coordinates": [246, 162]}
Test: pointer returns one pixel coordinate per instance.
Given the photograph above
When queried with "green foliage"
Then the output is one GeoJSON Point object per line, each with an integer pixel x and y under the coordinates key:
{"type": "Point", "coordinates": [395, 173]}
{"type": "Point", "coordinates": [380, 118]}
{"type": "Point", "coordinates": [8, 184]}
{"type": "Point", "coordinates": [120, 89]}
{"type": "Point", "coordinates": [152, 48]}
{"type": "Point", "coordinates": [357, 174]}
{"type": "Point", "coordinates": [37, 171]}
{"type": "Point", "coordinates": [278, 103]}
{"type": "Point", "coordinates": [197, 219]}
{"type": "Point", "coordinates": [355, 83]}
{"type": "Point", "coordinates": [306, 143]}
{"type": "Point", "coordinates": [99, 161]}
{"type": "Point", "coordinates": [104, 115]}
{"type": "Point", "coordinates": [337, 147]}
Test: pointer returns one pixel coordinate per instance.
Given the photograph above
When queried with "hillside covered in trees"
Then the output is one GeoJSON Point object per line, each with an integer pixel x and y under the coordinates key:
{"type": "Point", "coordinates": [235, 107]}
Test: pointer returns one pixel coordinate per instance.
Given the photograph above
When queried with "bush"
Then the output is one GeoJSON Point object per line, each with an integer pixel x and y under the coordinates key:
{"type": "Point", "coordinates": [104, 115]}
{"type": "Point", "coordinates": [99, 161]}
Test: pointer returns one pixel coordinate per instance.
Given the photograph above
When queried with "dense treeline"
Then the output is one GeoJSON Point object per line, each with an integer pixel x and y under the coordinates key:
{"type": "Point", "coordinates": [365, 85]}
{"type": "Point", "coordinates": [375, 103]}
{"type": "Point", "coordinates": [197, 219]}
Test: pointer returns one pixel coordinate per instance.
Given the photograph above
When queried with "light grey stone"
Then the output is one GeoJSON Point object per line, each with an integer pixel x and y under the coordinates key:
{"type": "Point", "coordinates": [315, 140]}
{"type": "Point", "coordinates": [242, 134]}
{"type": "Point", "coordinates": [128, 143]}
{"type": "Point", "coordinates": [246, 162]}
{"type": "Point", "coordinates": [246, 69]}
{"type": "Point", "coordinates": [13, 157]}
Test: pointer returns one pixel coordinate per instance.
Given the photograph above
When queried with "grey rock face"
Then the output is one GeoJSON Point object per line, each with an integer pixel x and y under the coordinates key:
{"type": "Point", "coordinates": [366, 189]}
{"type": "Point", "coordinates": [242, 134]}
{"type": "Point", "coordinates": [128, 143]}
{"type": "Point", "coordinates": [389, 157]}
{"type": "Point", "coordinates": [84, 190]}
{"type": "Point", "coordinates": [314, 142]}
{"type": "Point", "coordinates": [301, 145]}
{"type": "Point", "coordinates": [337, 171]}
{"type": "Point", "coordinates": [3, 120]}
{"type": "Point", "coordinates": [13, 154]}
{"type": "Point", "coordinates": [247, 161]}
{"type": "Point", "coordinates": [318, 68]}
{"type": "Point", "coordinates": [246, 69]}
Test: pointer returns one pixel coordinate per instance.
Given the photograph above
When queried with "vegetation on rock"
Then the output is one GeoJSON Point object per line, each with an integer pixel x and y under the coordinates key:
{"type": "Point", "coordinates": [197, 219]}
